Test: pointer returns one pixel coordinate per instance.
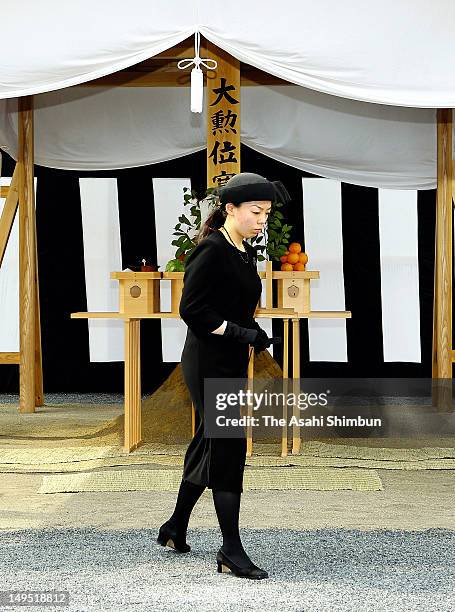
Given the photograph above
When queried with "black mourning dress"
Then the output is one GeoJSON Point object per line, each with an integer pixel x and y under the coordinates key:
{"type": "Point", "coordinates": [218, 286]}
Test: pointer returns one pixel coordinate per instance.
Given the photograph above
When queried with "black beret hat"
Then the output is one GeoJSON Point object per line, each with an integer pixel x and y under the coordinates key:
{"type": "Point", "coordinates": [249, 187]}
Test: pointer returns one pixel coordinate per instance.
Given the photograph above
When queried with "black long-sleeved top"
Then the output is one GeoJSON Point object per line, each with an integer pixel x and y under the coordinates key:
{"type": "Point", "coordinates": [219, 286]}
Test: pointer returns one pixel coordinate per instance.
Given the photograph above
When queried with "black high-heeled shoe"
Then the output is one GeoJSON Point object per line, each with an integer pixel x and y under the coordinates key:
{"type": "Point", "coordinates": [167, 536]}
{"type": "Point", "coordinates": [251, 571]}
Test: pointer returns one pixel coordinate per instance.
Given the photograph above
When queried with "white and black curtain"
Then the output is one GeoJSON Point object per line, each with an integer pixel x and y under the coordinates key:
{"type": "Point", "coordinates": [374, 249]}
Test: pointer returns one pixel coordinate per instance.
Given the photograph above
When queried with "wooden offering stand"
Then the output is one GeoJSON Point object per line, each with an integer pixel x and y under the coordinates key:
{"type": "Point", "coordinates": [140, 299]}
{"type": "Point", "coordinates": [294, 303]}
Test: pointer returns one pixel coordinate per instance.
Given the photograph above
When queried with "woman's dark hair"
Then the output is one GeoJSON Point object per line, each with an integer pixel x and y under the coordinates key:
{"type": "Point", "coordinates": [213, 222]}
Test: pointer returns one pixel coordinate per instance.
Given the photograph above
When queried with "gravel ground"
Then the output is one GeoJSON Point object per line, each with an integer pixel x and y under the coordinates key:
{"type": "Point", "coordinates": [324, 550]}
{"type": "Point", "coordinates": [322, 570]}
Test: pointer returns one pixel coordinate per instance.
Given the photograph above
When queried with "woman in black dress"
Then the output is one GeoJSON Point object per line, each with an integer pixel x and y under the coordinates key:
{"type": "Point", "coordinates": [220, 294]}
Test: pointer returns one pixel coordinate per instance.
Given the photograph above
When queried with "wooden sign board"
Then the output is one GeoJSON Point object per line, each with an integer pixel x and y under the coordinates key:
{"type": "Point", "coordinates": [223, 118]}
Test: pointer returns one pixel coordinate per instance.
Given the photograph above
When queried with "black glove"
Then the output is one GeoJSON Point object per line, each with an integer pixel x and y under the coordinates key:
{"type": "Point", "coordinates": [244, 335]}
{"type": "Point", "coordinates": [262, 341]}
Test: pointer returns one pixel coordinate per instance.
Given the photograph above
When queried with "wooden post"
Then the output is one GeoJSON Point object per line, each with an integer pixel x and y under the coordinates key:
{"type": "Point", "coordinates": [223, 118]}
{"type": "Point", "coordinates": [6, 224]}
{"type": "Point", "coordinates": [133, 428]}
{"type": "Point", "coordinates": [442, 320]}
{"type": "Point", "coordinates": [27, 257]}
{"type": "Point", "coordinates": [249, 429]}
{"type": "Point", "coordinates": [296, 382]}
{"type": "Point", "coordinates": [268, 285]}
{"type": "Point", "coordinates": [284, 435]}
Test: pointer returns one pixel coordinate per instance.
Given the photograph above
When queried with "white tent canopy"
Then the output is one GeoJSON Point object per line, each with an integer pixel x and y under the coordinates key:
{"type": "Point", "coordinates": [388, 52]}
{"type": "Point", "coordinates": [368, 77]}
{"type": "Point", "coordinates": [83, 128]}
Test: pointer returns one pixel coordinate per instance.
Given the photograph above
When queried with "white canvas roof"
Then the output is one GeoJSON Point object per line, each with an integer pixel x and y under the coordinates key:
{"type": "Point", "coordinates": [368, 77]}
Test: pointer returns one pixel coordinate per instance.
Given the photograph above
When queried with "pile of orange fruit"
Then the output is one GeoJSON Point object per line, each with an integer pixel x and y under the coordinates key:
{"type": "Point", "coordinates": [294, 259]}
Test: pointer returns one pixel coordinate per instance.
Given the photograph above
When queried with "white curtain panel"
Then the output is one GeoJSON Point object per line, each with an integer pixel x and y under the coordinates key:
{"type": "Point", "coordinates": [397, 53]}
{"type": "Point", "coordinates": [85, 128]}
{"type": "Point", "coordinates": [205, 210]}
{"type": "Point", "coordinates": [266, 324]}
{"type": "Point", "coordinates": [168, 196]}
{"type": "Point", "coordinates": [324, 247]}
{"type": "Point", "coordinates": [102, 255]}
{"type": "Point", "coordinates": [354, 142]}
{"type": "Point", "coordinates": [9, 286]}
{"type": "Point", "coordinates": [105, 128]}
{"type": "Point", "coordinates": [399, 275]}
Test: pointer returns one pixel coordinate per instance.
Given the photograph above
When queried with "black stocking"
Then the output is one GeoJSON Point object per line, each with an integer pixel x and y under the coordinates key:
{"type": "Point", "coordinates": [187, 497]}
{"type": "Point", "coordinates": [227, 506]}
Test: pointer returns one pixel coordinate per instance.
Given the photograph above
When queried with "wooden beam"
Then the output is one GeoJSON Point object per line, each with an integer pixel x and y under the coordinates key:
{"type": "Point", "coordinates": [11, 358]}
{"type": "Point", "coordinates": [8, 214]}
{"type": "Point", "coordinates": [161, 71]}
{"type": "Point", "coordinates": [276, 313]}
{"type": "Point", "coordinates": [443, 263]}
{"type": "Point", "coordinates": [161, 77]}
{"type": "Point", "coordinates": [223, 117]}
{"type": "Point", "coordinates": [27, 256]}
{"type": "Point", "coordinates": [122, 315]}
{"type": "Point", "coordinates": [180, 51]}
{"type": "Point", "coordinates": [170, 76]}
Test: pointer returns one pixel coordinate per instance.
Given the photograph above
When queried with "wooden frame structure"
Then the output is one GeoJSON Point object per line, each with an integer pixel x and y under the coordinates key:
{"type": "Point", "coordinates": [443, 354]}
{"type": "Point", "coordinates": [158, 71]}
{"type": "Point", "coordinates": [135, 305]}
{"type": "Point", "coordinates": [21, 193]}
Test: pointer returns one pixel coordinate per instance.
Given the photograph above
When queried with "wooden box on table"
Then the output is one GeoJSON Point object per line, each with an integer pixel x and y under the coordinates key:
{"type": "Point", "coordinates": [139, 292]}
{"type": "Point", "coordinates": [293, 288]}
{"type": "Point", "coordinates": [176, 279]}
